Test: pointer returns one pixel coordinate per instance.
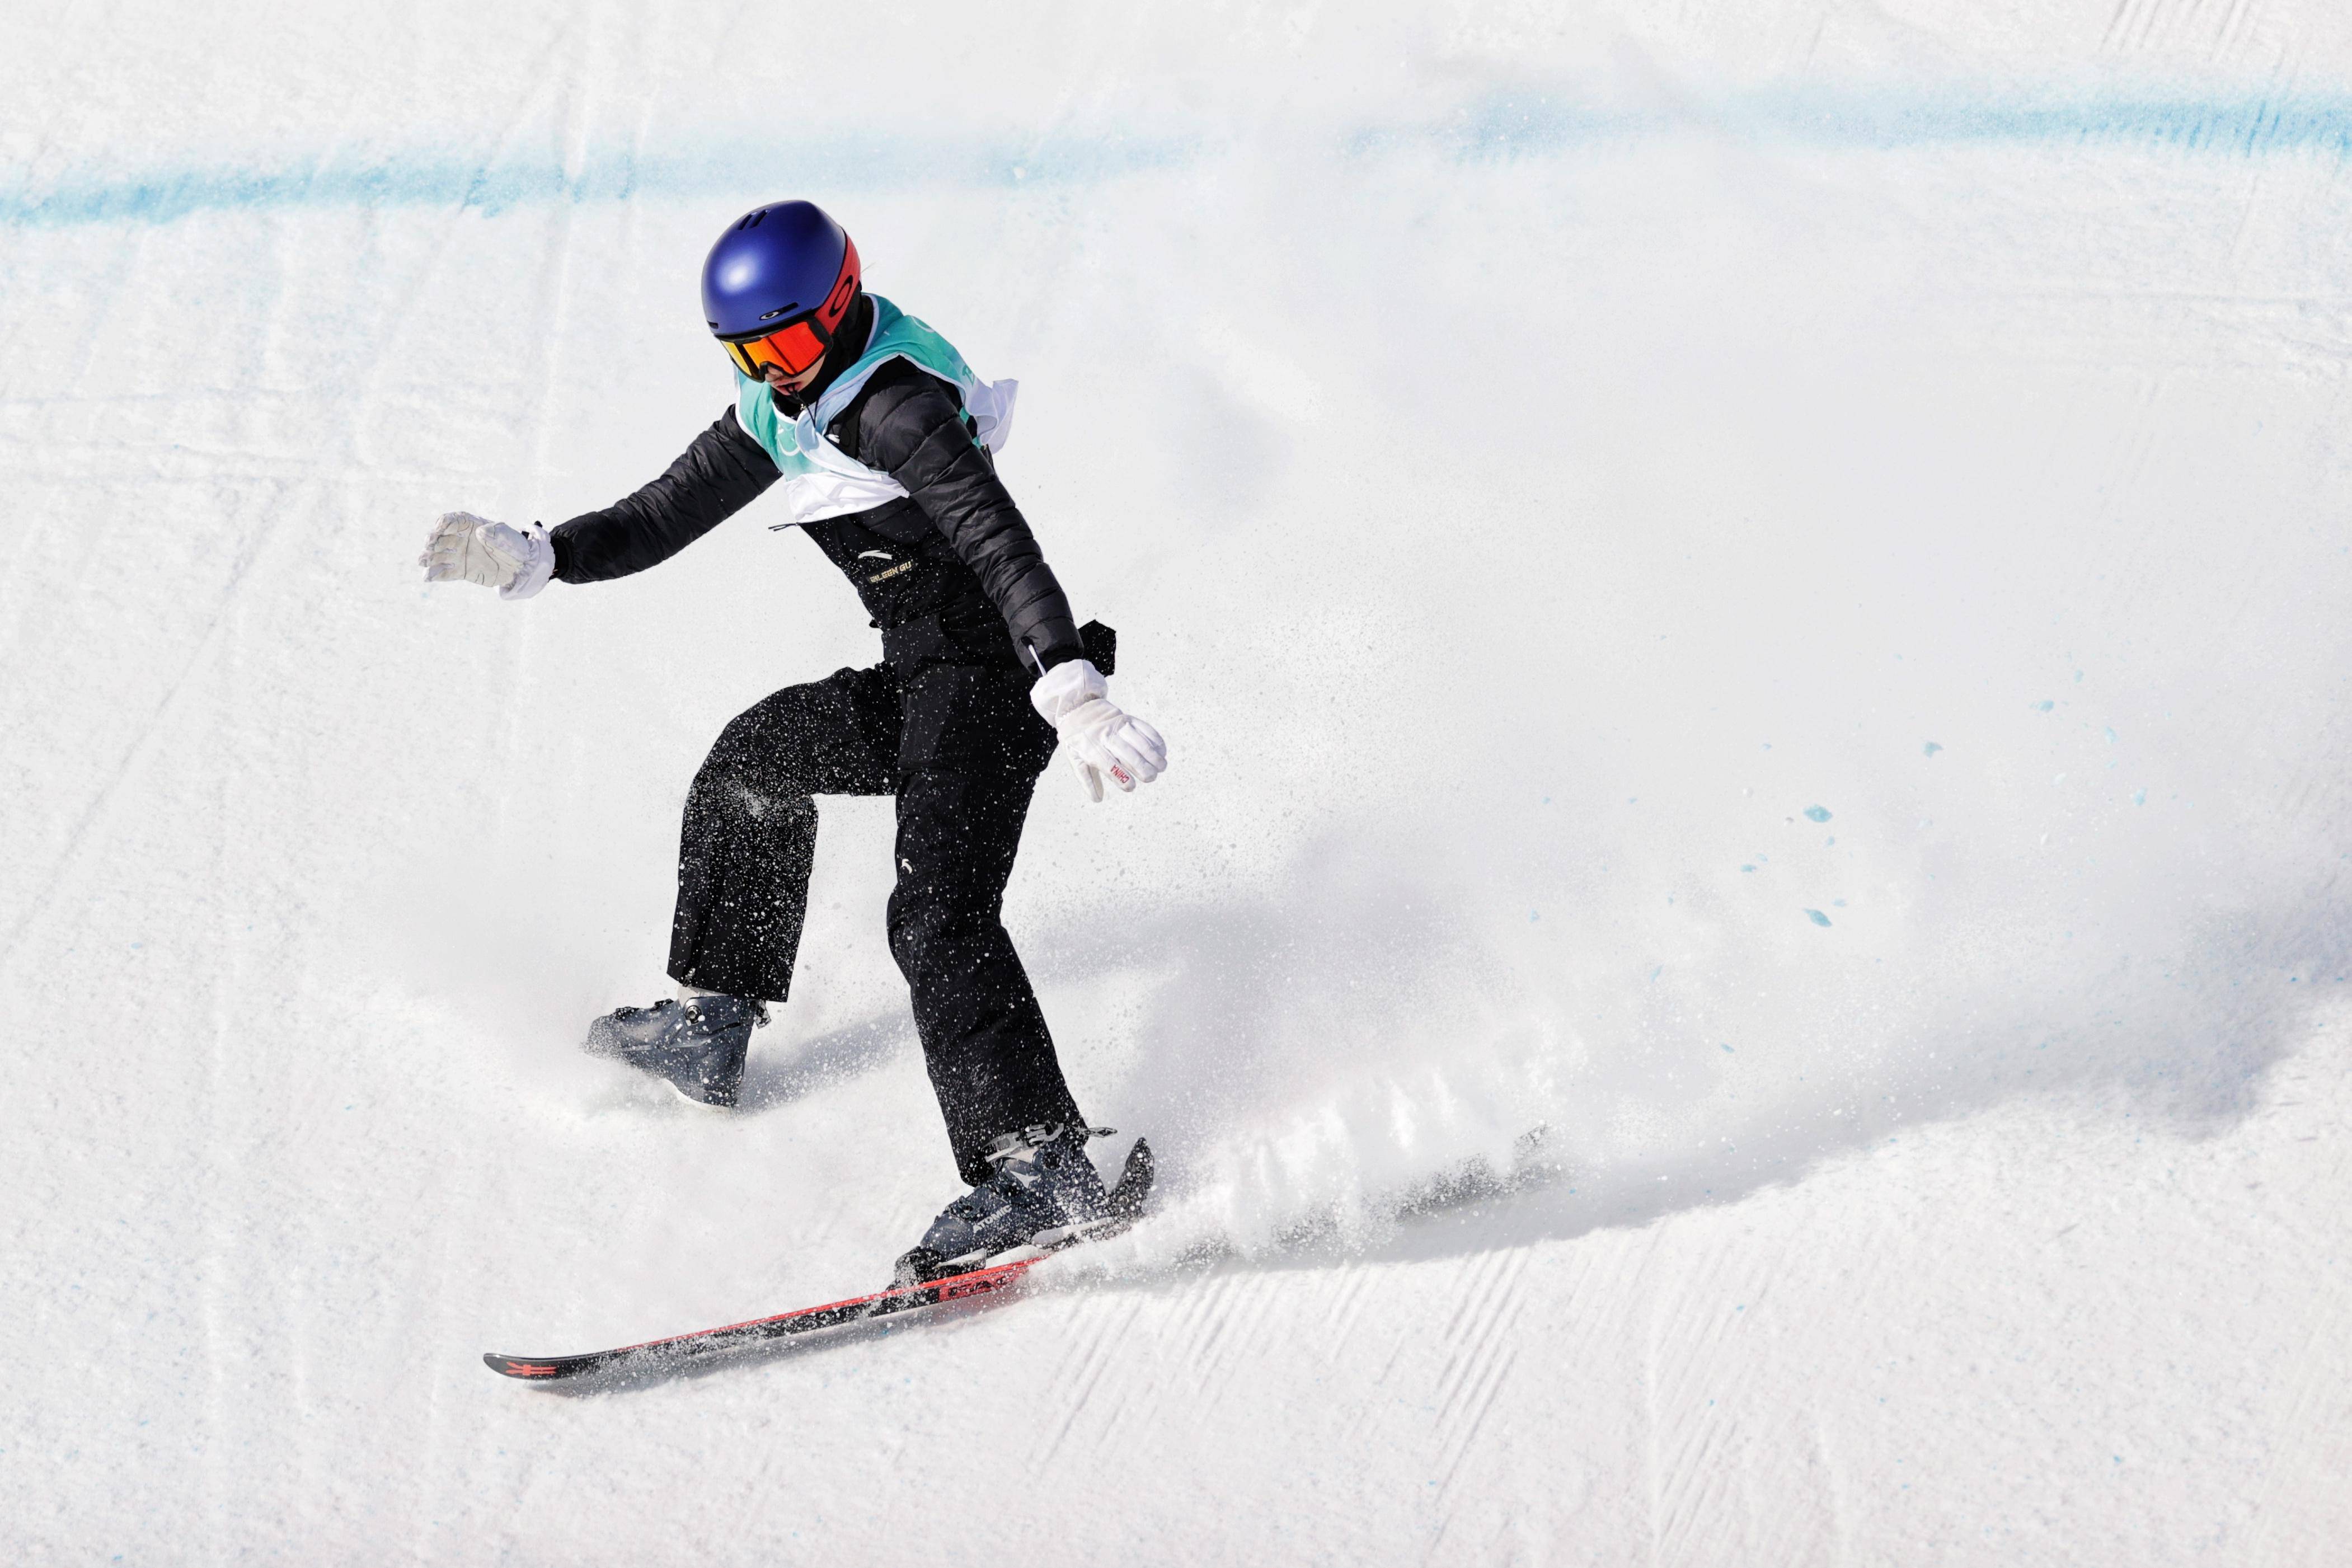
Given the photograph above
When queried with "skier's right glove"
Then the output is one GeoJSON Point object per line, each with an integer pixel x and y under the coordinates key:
{"type": "Point", "coordinates": [463, 547]}
{"type": "Point", "coordinates": [1100, 737]}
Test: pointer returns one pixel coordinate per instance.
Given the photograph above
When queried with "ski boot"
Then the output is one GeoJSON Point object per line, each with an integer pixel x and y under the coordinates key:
{"type": "Point", "coordinates": [1044, 1194]}
{"type": "Point", "coordinates": [698, 1045]}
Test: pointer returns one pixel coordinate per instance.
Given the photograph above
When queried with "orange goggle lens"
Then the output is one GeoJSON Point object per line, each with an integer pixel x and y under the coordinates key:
{"type": "Point", "coordinates": [793, 349]}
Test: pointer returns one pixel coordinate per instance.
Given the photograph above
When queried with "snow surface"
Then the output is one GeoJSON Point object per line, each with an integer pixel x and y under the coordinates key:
{"type": "Point", "coordinates": [1758, 586]}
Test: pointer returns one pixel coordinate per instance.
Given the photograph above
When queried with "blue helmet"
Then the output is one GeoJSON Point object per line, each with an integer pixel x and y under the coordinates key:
{"type": "Point", "coordinates": [780, 267]}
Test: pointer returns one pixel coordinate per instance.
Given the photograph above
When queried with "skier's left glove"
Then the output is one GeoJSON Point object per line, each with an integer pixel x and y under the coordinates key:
{"type": "Point", "coordinates": [516, 562]}
{"type": "Point", "coordinates": [1101, 737]}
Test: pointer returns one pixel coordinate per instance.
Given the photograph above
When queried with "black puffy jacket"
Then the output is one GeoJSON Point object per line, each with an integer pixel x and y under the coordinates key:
{"type": "Point", "coordinates": [955, 549]}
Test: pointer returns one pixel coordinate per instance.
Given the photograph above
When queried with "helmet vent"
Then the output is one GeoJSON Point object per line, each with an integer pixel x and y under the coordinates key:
{"type": "Point", "coordinates": [752, 220]}
{"type": "Point", "coordinates": [786, 310]}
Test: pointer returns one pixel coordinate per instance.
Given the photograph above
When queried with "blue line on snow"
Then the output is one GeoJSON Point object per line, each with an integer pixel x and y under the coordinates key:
{"type": "Point", "coordinates": [742, 169]}
{"type": "Point", "coordinates": [1508, 126]}
{"type": "Point", "coordinates": [1490, 128]}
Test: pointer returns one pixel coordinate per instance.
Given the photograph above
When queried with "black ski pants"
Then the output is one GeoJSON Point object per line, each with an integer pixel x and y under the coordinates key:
{"type": "Point", "coordinates": [962, 749]}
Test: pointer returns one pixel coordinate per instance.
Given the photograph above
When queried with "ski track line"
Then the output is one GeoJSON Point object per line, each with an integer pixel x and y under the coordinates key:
{"type": "Point", "coordinates": [2304, 1417]}
{"type": "Point", "coordinates": [1136, 1404]}
{"type": "Point", "coordinates": [133, 756]}
{"type": "Point", "coordinates": [1205, 1325]}
{"type": "Point", "coordinates": [1346, 1313]}
{"type": "Point", "coordinates": [1635, 1289]}
{"type": "Point", "coordinates": [1696, 1478]}
{"type": "Point", "coordinates": [1474, 1374]}
{"type": "Point", "coordinates": [1104, 1320]}
{"type": "Point", "coordinates": [215, 1262]}
{"type": "Point", "coordinates": [1219, 1327]}
{"type": "Point", "coordinates": [1837, 1487]}
{"type": "Point", "coordinates": [1239, 1330]}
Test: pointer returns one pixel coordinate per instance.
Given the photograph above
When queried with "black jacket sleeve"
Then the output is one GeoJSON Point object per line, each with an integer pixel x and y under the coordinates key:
{"type": "Point", "coordinates": [907, 423]}
{"type": "Point", "coordinates": [715, 478]}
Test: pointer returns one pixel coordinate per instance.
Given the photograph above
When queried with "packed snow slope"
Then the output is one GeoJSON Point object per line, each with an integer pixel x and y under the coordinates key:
{"type": "Point", "coordinates": [1759, 588]}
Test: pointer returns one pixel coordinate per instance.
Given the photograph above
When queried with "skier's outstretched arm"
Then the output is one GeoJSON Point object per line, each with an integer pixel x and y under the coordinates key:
{"type": "Point", "coordinates": [912, 427]}
{"type": "Point", "coordinates": [722, 472]}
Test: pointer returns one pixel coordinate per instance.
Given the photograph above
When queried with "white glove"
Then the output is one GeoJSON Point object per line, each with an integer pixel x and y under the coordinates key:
{"type": "Point", "coordinates": [463, 547]}
{"type": "Point", "coordinates": [1101, 739]}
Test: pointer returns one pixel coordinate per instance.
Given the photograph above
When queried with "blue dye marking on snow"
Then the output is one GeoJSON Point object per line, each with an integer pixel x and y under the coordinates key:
{"type": "Point", "coordinates": [1728, 1051]}
{"type": "Point", "coordinates": [2044, 706]}
{"type": "Point", "coordinates": [1507, 125]}
{"type": "Point", "coordinates": [1658, 971]}
{"type": "Point", "coordinates": [2111, 736]}
{"type": "Point", "coordinates": [1837, 903]}
{"type": "Point", "coordinates": [1818, 917]}
{"type": "Point", "coordinates": [1748, 867]}
{"type": "Point", "coordinates": [1495, 127]}
{"type": "Point", "coordinates": [741, 169]}
{"type": "Point", "coordinates": [2139, 797]}
{"type": "Point", "coordinates": [1932, 748]}
{"type": "Point", "coordinates": [1817, 812]}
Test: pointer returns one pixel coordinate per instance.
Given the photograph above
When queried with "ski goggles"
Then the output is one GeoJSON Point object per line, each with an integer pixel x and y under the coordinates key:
{"type": "Point", "coordinates": [794, 348]}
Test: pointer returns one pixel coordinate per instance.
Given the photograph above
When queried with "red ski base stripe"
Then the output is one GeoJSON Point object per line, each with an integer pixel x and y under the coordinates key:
{"type": "Point", "coordinates": [1003, 1274]}
{"type": "Point", "coordinates": [882, 1303]}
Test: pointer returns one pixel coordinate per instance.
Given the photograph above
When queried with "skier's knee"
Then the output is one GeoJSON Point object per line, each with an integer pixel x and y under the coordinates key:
{"type": "Point", "coordinates": [929, 932]}
{"type": "Point", "coordinates": [913, 932]}
{"type": "Point", "coordinates": [738, 779]}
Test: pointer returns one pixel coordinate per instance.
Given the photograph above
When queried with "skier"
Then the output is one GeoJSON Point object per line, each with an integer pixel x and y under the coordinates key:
{"type": "Point", "coordinates": [884, 439]}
